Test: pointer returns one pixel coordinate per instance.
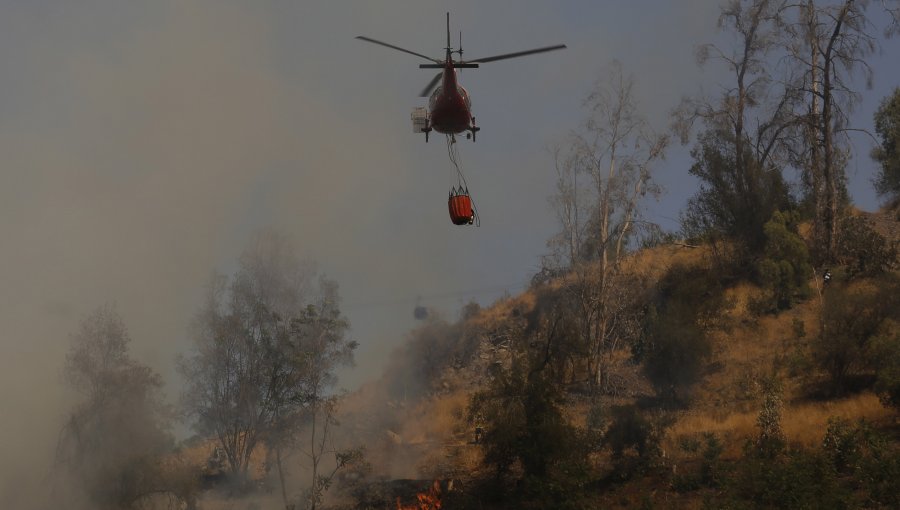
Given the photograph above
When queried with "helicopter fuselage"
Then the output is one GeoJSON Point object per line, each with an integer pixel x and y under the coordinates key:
{"type": "Point", "coordinates": [450, 107]}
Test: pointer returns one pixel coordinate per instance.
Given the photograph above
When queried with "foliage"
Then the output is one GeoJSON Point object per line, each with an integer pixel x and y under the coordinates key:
{"type": "Point", "coordinates": [431, 347]}
{"type": "Point", "coordinates": [856, 467]}
{"type": "Point", "coordinates": [864, 251]}
{"type": "Point", "coordinates": [560, 323]}
{"type": "Point", "coordinates": [267, 344]}
{"type": "Point", "coordinates": [841, 445]}
{"type": "Point", "coordinates": [784, 269]}
{"type": "Point", "coordinates": [733, 203]}
{"type": "Point", "coordinates": [634, 438]}
{"type": "Point", "coordinates": [315, 348]}
{"type": "Point", "coordinates": [603, 173]}
{"type": "Point", "coordinates": [797, 480]}
{"type": "Point", "coordinates": [593, 315]}
{"type": "Point", "coordinates": [115, 437]}
{"type": "Point", "coordinates": [674, 344]}
{"type": "Point", "coordinates": [886, 353]}
{"type": "Point", "coordinates": [771, 440]}
{"type": "Point", "coordinates": [525, 428]}
{"type": "Point", "coordinates": [711, 472]}
{"type": "Point", "coordinates": [852, 317]}
{"type": "Point", "coordinates": [887, 154]}
{"type": "Point", "coordinates": [738, 155]}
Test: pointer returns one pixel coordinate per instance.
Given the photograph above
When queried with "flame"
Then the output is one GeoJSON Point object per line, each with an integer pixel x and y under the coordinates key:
{"type": "Point", "coordinates": [430, 500]}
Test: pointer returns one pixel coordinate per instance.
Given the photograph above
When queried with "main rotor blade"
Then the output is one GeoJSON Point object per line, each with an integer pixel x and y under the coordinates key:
{"type": "Point", "coordinates": [431, 85]}
{"type": "Point", "coordinates": [517, 54]}
{"type": "Point", "coordinates": [404, 50]}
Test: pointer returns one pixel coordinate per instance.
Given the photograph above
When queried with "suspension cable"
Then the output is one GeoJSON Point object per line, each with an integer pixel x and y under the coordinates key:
{"type": "Point", "coordinates": [453, 153]}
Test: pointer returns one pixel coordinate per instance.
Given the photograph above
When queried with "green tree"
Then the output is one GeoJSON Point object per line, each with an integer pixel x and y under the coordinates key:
{"type": "Point", "coordinates": [738, 154]}
{"type": "Point", "coordinates": [525, 427]}
{"type": "Point", "coordinates": [784, 269]}
{"type": "Point", "coordinates": [887, 154]}
{"type": "Point", "coordinates": [734, 202]}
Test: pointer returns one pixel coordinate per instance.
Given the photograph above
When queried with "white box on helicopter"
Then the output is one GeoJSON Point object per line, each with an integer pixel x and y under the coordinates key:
{"type": "Point", "coordinates": [419, 118]}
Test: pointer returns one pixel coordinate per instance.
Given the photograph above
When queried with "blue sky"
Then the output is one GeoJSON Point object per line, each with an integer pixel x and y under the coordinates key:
{"type": "Point", "coordinates": [144, 142]}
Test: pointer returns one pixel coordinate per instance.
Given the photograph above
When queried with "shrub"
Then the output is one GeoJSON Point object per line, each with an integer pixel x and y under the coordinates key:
{"type": "Point", "coordinates": [784, 269]}
{"type": "Point", "coordinates": [864, 251]}
{"type": "Point", "coordinates": [770, 441]}
{"type": "Point", "coordinates": [674, 344]}
{"type": "Point", "coordinates": [799, 480]}
{"type": "Point", "coordinates": [852, 319]}
{"type": "Point", "coordinates": [886, 353]}
{"type": "Point", "coordinates": [524, 426]}
{"type": "Point", "coordinates": [634, 439]}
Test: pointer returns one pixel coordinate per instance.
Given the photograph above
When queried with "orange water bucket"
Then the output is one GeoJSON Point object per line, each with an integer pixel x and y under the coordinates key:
{"type": "Point", "coordinates": [460, 205]}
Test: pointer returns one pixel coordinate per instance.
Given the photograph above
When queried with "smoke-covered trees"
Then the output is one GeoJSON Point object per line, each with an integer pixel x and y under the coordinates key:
{"type": "Point", "coordinates": [267, 343]}
{"type": "Point", "coordinates": [236, 375]}
{"type": "Point", "coordinates": [887, 154]}
{"type": "Point", "coordinates": [113, 439]}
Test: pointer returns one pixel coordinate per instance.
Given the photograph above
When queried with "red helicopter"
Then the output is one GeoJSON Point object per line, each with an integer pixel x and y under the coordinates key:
{"type": "Point", "coordinates": [449, 108]}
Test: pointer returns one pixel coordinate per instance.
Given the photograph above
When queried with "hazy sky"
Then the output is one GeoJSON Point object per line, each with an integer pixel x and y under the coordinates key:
{"type": "Point", "coordinates": [143, 142]}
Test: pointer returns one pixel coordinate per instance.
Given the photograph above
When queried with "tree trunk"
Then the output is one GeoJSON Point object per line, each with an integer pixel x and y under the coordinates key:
{"type": "Point", "coordinates": [830, 172]}
{"type": "Point", "coordinates": [281, 479]}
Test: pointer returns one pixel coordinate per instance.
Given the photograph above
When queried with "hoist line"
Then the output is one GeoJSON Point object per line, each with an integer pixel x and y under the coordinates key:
{"type": "Point", "coordinates": [453, 153]}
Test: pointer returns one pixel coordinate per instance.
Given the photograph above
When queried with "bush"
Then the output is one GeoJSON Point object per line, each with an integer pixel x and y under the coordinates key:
{"type": "Point", "coordinates": [864, 251]}
{"type": "Point", "coordinates": [841, 445]}
{"type": "Point", "coordinates": [798, 480]}
{"type": "Point", "coordinates": [771, 440]}
{"type": "Point", "coordinates": [525, 427]}
{"type": "Point", "coordinates": [886, 353]}
{"type": "Point", "coordinates": [852, 320]}
{"type": "Point", "coordinates": [634, 439]}
{"type": "Point", "coordinates": [784, 269]}
{"type": "Point", "coordinates": [674, 344]}
{"type": "Point", "coordinates": [710, 474]}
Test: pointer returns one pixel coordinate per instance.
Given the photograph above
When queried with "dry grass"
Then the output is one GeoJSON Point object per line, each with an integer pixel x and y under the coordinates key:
{"type": "Point", "coordinates": [441, 418]}
{"type": "Point", "coordinates": [498, 313]}
{"type": "Point", "coordinates": [803, 424]}
{"type": "Point", "coordinates": [654, 262]}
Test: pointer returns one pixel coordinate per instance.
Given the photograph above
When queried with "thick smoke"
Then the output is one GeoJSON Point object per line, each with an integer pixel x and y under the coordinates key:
{"type": "Point", "coordinates": [143, 142]}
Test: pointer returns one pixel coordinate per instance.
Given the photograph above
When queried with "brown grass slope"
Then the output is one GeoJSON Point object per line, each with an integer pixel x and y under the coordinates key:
{"type": "Point", "coordinates": [725, 402]}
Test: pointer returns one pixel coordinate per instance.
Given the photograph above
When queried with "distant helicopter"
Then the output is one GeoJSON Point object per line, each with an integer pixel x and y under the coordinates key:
{"type": "Point", "coordinates": [449, 108]}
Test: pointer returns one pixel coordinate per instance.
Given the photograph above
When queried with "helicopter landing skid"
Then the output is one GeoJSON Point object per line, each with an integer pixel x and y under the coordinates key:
{"type": "Point", "coordinates": [472, 130]}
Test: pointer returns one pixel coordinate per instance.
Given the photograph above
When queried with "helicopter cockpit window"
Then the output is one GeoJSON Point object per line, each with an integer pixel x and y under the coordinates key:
{"type": "Point", "coordinates": [434, 95]}
{"type": "Point", "coordinates": [465, 95]}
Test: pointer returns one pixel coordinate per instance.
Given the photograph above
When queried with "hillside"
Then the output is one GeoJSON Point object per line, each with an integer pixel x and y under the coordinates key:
{"type": "Point", "coordinates": [419, 421]}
